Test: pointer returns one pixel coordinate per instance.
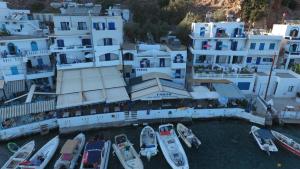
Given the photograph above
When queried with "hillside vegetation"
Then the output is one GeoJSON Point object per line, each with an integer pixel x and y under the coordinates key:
{"type": "Point", "coordinates": [154, 18]}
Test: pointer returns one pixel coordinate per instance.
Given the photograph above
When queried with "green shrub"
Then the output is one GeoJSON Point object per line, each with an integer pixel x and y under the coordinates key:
{"type": "Point", "coordinates": [292, 4]}
{"type": "Point", "coordinates": [37, 7]}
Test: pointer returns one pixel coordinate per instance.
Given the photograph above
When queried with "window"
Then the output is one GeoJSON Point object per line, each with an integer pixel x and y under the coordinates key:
{"type": "Point", "coordinates": [82, 26]}
{"type": "Point", "coordinates": [107, 41]}
{"type": "Point", "coordinates": [272, 46]}
{"type": "Point", "coordinates": [99, 25]}
{"type": "Point", "coordinates": [234, 45]}
{"type": "Point", "coordinates": [219, 45]}
{"type": "Point", "coordinates": [96, 26]}
{"type": "Point", "coordinates": [65, 26]}
{"type": "Point", "coordinates": [178, 58]}
{"type": "Point", "coordinates": [244, 85]}
{"type": "Point", "coordinates": [128, 56]}
{"type": "Point", "coordinates": [205, 45]}
{"type": "Point", "coordinates": [252, 46]}
{"type": "Point", "coordinates": [249, 59]}
{"type": "Point", "coordinates": [291, 88]}
{"type": "Point", "coordinates": [267, 59]}
{"type": "Point", "coordinates": [261, 46]}
{"type": "Point", "coordinates": [60, 43]}
{"type": "Point", "coordinates": [111, 26]}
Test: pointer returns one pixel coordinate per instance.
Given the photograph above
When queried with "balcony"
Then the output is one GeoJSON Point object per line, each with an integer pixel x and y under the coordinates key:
{"type": "Point", "coordinates": [26, 53]}
{"type": "Point", "coordinates": [77, 65]}
{"type": "Point", "coordinates": [12, 61]}
{"type": "Point", "coordinates": [218, 72]}
{"type": "Point", "coordinates": [55, 48]}
{"type": "Point", "coordinates": [37, 53]}
{"type": "Point", "coordinates": [13, 77]}
{"type": "Point", "coordinates": [40, 72]}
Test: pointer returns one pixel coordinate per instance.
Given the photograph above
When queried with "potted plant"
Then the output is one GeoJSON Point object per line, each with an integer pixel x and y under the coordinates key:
{"type": "Point", "coordinates": [298, 97]}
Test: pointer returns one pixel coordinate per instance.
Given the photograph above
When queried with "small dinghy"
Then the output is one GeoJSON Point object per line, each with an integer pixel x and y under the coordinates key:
{"type": "Point", "coordinates": [70, 153]}
{"type": "Point", "coordinates": [148, 142]}
{"type": "Point", "coordinates": [264, 140]}
{"type": "Point", "coordinates": [125, 152]}
{"type": "Point", "coordinates": [188, 136]}
{"type": "Point", "coordinates": [96, 154]}
{"type": "Point", "coordinates": [41, 158]}
{"type": "Point", "coordinates": [19, 156]}
{"type": "Point", "coordinates": [287, 143]}
{"type": "Point", "coordinates": [171, 147]}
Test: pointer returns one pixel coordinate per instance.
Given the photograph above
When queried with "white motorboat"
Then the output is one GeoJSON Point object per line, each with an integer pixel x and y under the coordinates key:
{"type": "Point", "coordinates": [96, 154]}
{"type": "Point", "coordinates": [171, 147]}
{"type": "Point", "coordinates": [264, 140]}
{"type": "Point", "coordinates": [148, 142]}
{"type": "Point", "coordinates": [41, 158]}
{"type": "Point", "coordinates": [287, 143]}
{"type": "Point", "coordinates": [22, 154]}
{"type": "Point", "coordinates": [188, 136]}
{"type": "Point", "coordinates": [126, 153]}
{"type": "Point", "coordinates": [70, 152]}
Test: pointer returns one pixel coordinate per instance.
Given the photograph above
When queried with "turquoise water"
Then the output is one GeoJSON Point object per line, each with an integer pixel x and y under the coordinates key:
{"type": "Point", "coordinates": [226, 144]}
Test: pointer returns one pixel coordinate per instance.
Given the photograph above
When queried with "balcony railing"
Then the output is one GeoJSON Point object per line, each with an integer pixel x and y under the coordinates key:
{"type": "Point", "coordinates": [72, 47]}
{"type": "Point", "coordinates": [222, 75]}
{"type": "Point", "coordinates": [40, 69]}
{"type": "Point", "coordinates": [25, 53]}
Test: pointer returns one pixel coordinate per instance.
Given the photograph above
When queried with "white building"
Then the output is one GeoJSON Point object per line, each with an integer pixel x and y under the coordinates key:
{"type": "Point", "coordinates": [117, 10]}
{"type": "Point", "coordinates": [25, 59]}
{"type": "Point", "coordinates": [223, 52]}
{"type": "Point", "coordinates": [290, 43]}
{"type": "Point", "coordinates": [283, 84]}
{"type": "Point", "coordinates": [169, 58]}
{"type": "Point", "coordinates": [86, 40]}
{"type": "Point", "coordinates": [19, 22]}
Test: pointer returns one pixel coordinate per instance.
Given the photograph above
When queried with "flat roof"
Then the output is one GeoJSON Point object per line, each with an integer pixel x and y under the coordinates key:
{"type": "Point", "coordinates": [229, 91]}
{"type": "Point", "coordinates": [77, 87]}
{"type": "Point", "coordinates": [285, 75]}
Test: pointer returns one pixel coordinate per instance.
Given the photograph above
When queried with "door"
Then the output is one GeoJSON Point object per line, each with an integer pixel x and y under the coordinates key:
{"type": "Point", "coordinates": [14, 70]}
{"type": "Point", "coordinates": [107, 57]}
{"type": "Point", "coordinates": [60, 43]}
{"type": "Point", "coordinates": [258, 59]}
{"type": "Point", "coordinates": [161, 62]}
{"type": "Point", "coordinates": [249, 59]}
{"type": "Point", "coordinates": [63, 58]}
{"type": "Point", "coordinates": [11, 49]}
{"type": "Point", "coordinates": [40, 61]}
{"type": "Point", "coordinates": [234, 45]}
{"type": "Point", "coordinates": [177, 73]}
{"type": "Point", "coordinates": [34, 46]}
{"type": "Point", "coordinates": [29, 64]}
{"type": "Point", "coordinates": [86, 42]}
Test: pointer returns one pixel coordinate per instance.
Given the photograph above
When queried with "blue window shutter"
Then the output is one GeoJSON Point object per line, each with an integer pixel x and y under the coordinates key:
{"type": "Point", "coordinates": [14, 70]}
{"type": "Point", "coordinates": [244, 85]}
{"type": "Point", "coordinates": [111, 26]}
{"type": "Point", "coordinates": [261, 46]}
{"type": "Point", "coordinates": [252, 45]}
{"type": "Point", "coordinates": [103, 26]}
{"type": "Point", "coordinates": [249, 59]}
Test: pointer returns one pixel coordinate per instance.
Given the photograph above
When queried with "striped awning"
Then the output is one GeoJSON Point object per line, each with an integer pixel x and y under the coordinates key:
{"type": "Point", "coordinates": [25, 109]}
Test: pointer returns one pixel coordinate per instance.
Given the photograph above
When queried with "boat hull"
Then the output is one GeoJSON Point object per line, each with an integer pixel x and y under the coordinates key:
{"type": "Point", "coordinates": [166, 153]}
{"type": "Point", "coordinates": [134, 162]}
{"type": "Point", "coordinates": [151, 149]}
{"type": "Point", "coordinates": [14, 160]}
{"type": "Point", "coordinates": [263, 147]}
{"type": "Point", "coordinates": [60, 163]}
{"type": "Point", "coordinates": [189, 143]}
{"type": "Point", "coordinates": [105, 159]}
{"type": "Point", "coordinates": [285, 145]}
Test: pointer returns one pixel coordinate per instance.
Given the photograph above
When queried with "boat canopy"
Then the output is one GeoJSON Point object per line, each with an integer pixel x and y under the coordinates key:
{"type": "Point", "coordinates": [69, 147]}
{"type": "Point", "coordinates": [265, 134]}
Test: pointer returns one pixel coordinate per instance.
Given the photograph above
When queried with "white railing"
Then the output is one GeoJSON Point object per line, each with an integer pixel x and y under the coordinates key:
{"type": "Point", "coordinates": [222, 75]}
{"type": "Point", "coordinates": [37, 53]}
{"type": "Point", "coordinates": [73, 47]}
